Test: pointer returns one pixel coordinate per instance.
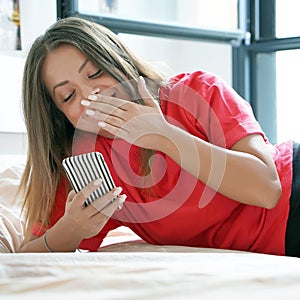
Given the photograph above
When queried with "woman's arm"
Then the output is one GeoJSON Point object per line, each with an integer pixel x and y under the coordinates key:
{"type": "Point", "coordinates": [245, 173]}
{"type": "Point", "coordinates": [60, 238]}
{"type": "Point", "coordinates": [78, 222]}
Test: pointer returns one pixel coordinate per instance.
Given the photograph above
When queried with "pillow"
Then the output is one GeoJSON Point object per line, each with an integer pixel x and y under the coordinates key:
{"type": "Point", "coordinates": [11, 221]}
{"type": "Point", "coordinates": [11, 230]}
{"type": "Point", "coordinates": [9, 183]}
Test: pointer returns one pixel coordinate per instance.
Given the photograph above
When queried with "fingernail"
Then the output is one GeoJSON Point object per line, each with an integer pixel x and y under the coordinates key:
{"type": "Point", "coordinates": [90, 112]}
{"type": "Point", "coordinates": [85, 102]}
{"type": "Point", "coordinates": [122, 199]}
{"type": "Point", "coordinates": [92, 97]}
{"type": "Point", "coordinates": [97, 90]}
{"type": "Point", "coordinates": [142, 80]}
{"type": "Point", "coordinates": [117, 191]}
{"type": "Point", "coordinates": [97, 182]}
{"type": "Point", "coordinates": [101, 124]}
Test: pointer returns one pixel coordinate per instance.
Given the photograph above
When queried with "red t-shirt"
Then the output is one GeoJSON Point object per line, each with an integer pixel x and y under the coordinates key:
{"type": "Point", "coordinates": [182, 210]}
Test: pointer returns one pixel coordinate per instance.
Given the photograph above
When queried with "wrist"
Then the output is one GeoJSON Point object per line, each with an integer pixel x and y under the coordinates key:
{"type": "Point", "coordinates": [62, 237]}
{"type": "Point", "coordinates": [167, 141]}
{"type": "Point", "coordinates": [45, 242]}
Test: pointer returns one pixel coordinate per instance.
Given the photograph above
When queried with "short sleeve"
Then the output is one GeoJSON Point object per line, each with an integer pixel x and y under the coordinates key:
{"type": "Point", "coordinates": [208, 107]}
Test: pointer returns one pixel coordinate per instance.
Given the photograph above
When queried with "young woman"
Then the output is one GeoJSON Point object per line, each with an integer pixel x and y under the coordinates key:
{"type": "Point", "coordinates": [194, 165]}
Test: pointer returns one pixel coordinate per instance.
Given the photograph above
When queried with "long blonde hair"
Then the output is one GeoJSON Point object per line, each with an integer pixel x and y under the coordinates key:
{"type": "Point", "coordinates": [49, 132]}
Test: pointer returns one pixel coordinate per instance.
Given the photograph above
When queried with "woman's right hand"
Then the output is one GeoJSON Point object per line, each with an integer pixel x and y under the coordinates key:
{"type": "Point", "coordinates": [78, 222]}
{"type": "Point", "coordinates": [87, 221]}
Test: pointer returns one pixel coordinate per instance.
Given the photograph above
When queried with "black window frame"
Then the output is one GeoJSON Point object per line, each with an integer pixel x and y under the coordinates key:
{"type": "Point", "coordinates": [254, 75]}
{"type": "Point", "coordinates": [66, 8]}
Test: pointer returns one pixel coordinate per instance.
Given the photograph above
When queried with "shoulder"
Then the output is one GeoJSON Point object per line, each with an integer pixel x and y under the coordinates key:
{"type": "Point", "coordinates": [194, 78]}
{"type": "Point", "coordinates": [202, 85]}
{"type": "Point", "coordinates": [200, 82]}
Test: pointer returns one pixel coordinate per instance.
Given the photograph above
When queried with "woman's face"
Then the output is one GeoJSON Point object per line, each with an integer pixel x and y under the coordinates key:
{"type": "Point", "coordinates": [70, 78]}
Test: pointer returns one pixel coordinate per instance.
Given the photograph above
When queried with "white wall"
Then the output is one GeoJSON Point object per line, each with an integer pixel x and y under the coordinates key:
{"type": "Point", "coordinates": [36, 16]}
{"type": "Point", "coordinates": [177, 56]}
{"type": "Point", "coordinates": [13, 149]}
{"type": "Point", "coordinates": [11, 78]}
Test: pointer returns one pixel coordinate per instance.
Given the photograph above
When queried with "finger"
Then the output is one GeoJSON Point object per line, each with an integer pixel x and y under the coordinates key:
{"type": "Point", "coordinates": [145, 94]}
{"type": "Point", "coordinates": [110, 118]}
{"type": "Point", "coordinates": [121, 201]}
{"type": "Point", "coordinates": [101, 99]}
{"type": "Point", "coordinates": [71, 196]}
{"type": "Point", "coordinates": [106, 199]}
{"type": "Point", "coordinates": [87, 190]}
{"type": "Point", "coordinates": [118, 202]}
{"type": "Point", "coordinates": [112, 114]}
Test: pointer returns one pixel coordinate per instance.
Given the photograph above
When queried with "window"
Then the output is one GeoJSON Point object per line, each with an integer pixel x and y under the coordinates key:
{"type": "Point", "coordinates": [287, 70]}
{"type": "Point", "coordinates": [288, 97]}
{"type": "Point", "coordinates": [266, 68]}
{"type": "Point", "coordinates": [163, 31]}
{"type": "Point", "coordinates": [287, 18]}
{"type": "Point", "coordinates": [221, 14]}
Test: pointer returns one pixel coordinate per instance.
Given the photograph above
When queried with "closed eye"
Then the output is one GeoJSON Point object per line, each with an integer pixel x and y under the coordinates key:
{"type": "Point", "coordinates": [70, 96]}
{"type": "Point", "coordinates": [96, 75]}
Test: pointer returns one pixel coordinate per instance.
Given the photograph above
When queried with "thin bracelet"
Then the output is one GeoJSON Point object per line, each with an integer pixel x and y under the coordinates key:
{"type": "Point", "coordinates": [45, 242]}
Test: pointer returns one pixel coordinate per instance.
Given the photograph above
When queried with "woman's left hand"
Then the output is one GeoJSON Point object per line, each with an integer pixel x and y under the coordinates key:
{"type": "Point", "coordinates": [142, 125]}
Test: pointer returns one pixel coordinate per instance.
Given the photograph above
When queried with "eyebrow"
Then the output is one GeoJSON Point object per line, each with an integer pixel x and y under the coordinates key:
{"type": "Point", "coordinates": [66, 81]}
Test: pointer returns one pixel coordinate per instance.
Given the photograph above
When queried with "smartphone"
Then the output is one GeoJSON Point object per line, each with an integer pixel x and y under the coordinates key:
{"type": "Point", "coordinates": [84, 168]}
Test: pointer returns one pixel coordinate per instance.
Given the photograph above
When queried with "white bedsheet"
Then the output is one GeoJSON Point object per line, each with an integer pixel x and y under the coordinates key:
{"type": "Point", "coordinates": [152, 273]}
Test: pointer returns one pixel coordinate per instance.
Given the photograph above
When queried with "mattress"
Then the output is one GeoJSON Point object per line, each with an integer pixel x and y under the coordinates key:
{"type": "Point", "coordinates": [132, 270]}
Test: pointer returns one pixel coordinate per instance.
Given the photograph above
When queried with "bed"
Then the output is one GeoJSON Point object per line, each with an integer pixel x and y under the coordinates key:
{"type": "Point", "coordinates": [127, 268]}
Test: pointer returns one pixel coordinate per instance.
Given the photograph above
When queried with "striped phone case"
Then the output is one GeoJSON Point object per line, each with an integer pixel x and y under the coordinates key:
{"type": "Point", "coordinates": [84, 168]}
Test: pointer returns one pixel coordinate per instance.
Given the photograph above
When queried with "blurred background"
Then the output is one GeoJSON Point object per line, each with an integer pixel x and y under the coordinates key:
{"type": "Point", "coordinates": [253, 44]}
